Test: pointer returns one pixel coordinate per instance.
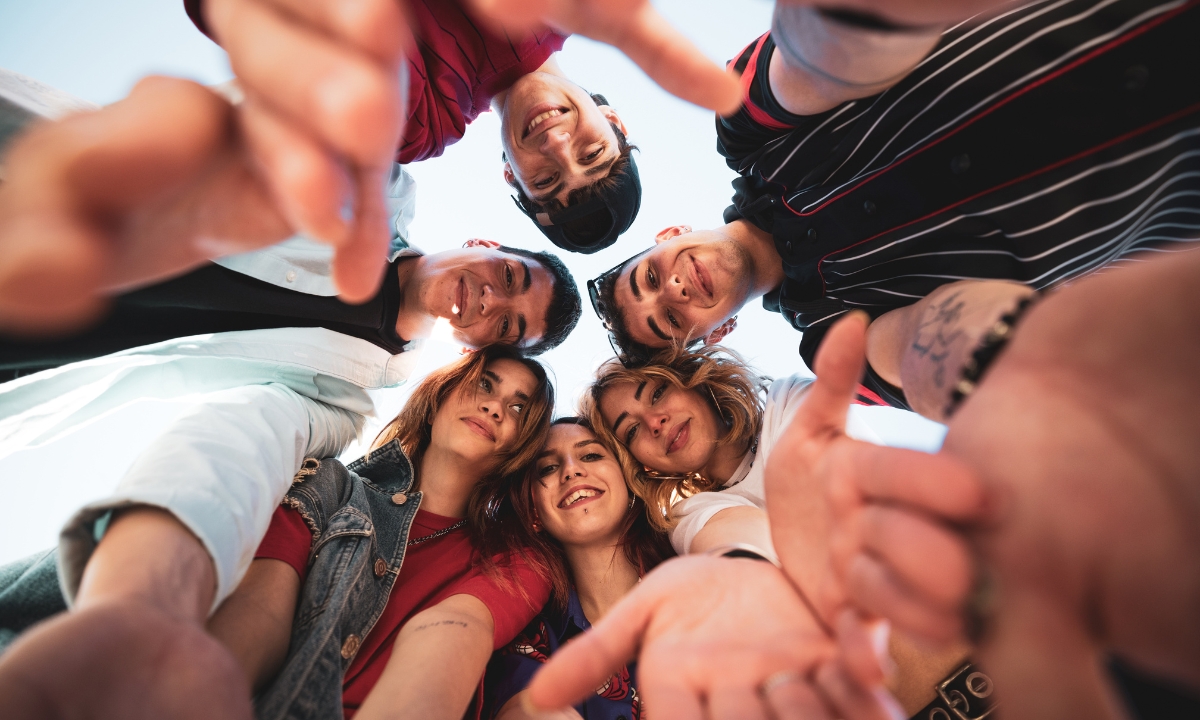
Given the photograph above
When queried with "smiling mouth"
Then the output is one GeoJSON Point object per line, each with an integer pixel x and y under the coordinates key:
{"type": "Point", "coordinates": [460, 299]}
{"type": "Point", "coordinates": [479, 428]}
{"type": "Point", "coordinates": [579, 495]}
{"type": "Point", "coordinates": [701, 279]}
{"type": "Point", "coordinates": [541, 118]}
{"type": "Point", "coordinates": [680, 436]}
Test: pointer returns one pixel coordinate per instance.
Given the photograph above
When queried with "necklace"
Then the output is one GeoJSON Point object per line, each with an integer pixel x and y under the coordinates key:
{"type": "Point", "coordinates": [438, 534]}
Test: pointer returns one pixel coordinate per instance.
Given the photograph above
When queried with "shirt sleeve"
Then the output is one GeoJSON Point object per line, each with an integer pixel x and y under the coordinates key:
{"type": "Point", "coordinates": [221, 469]}
{"type": "Point", "coordinates": [288, 539]}
{"type": "Point", "coordinates": [513, 593]}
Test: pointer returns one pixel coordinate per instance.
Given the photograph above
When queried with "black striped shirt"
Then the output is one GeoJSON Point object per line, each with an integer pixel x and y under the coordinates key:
{"type": "Point", "coordinates": [1037, 143]}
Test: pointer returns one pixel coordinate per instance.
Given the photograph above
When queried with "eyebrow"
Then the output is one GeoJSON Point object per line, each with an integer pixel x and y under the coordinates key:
{"type": "Point", "coordinates": [540, 199]}
{"type": "Point", "coordinates": [636, 396]}
{"type": "Point", "coordinates": [520, 330]}
{"type": "Point", "coordinates": [656, 330]}
{"type": "Point", "coordinates": [528, 278]}
{"type": "Point", "coordinates": [597, 169]}
{"type": "Point", "coordinates": [581, 443]}
{"type": "Point", "coordinates": [633, 282]}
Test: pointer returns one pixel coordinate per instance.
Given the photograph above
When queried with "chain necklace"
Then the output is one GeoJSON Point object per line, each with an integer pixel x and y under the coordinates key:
{"type": "Point", "coordinates": [438, 534]}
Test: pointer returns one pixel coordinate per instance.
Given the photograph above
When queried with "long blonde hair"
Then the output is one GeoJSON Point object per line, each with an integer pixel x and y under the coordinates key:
{"type": "Point", "coordinates": [734, 389]}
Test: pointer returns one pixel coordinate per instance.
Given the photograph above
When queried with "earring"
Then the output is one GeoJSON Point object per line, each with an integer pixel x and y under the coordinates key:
{"type": "Point", "coordinates": [632, 500]}
{"type": "Point", "coordinates": [536, 527]}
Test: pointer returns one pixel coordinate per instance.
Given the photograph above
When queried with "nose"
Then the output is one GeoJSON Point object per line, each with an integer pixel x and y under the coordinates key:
{"type": "Point", "coordinates": [656, 423]}
{"type": "Point", "coordinates": [491, 408]}
{"type": "Point", "coordinates": [556, 144]}
{"type": "Point", "coordinates": [572, 469]}
{"type": "Point", "coordinates": [487, 300]}
{"type": "Point", "coordinates": [675, 289]}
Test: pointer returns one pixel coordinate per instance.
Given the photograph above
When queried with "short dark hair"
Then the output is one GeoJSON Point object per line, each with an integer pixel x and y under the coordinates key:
{"type": "Point", "coordinates": [583, 231]}
{"type": "Point", "coordinates": [565, 303]}
{"type": "Point", "coordinates": [635, 353]}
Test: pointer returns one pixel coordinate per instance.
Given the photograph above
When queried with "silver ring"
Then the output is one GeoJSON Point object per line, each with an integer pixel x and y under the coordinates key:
{"type": "Point", "coordinates": [783, 677]}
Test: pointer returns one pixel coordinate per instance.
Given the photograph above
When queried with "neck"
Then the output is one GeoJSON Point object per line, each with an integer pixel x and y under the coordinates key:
{"type": "Point", "coordinates": [602, 575]}
{"type": "Point", "coordinates": [724, 462]}
{"type": "Point", "coordinates": [549, 67]}
{"type": "Point", "coordinates": [412, 322]}
{"type": "Point", "coordinates": [447, 480]}
{"type": "Point", "coordinates": [767, 271]}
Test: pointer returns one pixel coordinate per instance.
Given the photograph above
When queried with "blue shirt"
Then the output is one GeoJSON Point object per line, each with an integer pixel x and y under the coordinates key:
{"type": "Point", "coordinates": [513, 666]}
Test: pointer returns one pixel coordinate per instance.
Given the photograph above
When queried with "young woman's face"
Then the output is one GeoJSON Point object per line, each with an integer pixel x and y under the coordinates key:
{"type": "Point", "coordinates": [482, 421]}
{"type": "Point", "coordinates": [665, 428]}
{"type": "Point", "coordinates": [579, 492]}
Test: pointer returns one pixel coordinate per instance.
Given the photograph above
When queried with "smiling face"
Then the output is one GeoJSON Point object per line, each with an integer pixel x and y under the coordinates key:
{"type": "Point", "coordinates": [488, 295]}
{"type": "Point", "coordinates": [688, 284]}
{"type": "Point", "coordinates": [665, 428]}
{"type": "Point", "coordinates": [579, 492]}
{"type": "Point", "coordinates": [556, 139]}
{"type": "Point", "coordinates": [480, 423]}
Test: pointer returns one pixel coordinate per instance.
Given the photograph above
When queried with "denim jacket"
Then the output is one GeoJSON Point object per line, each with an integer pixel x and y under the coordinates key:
{"type": "Point", "coordinates": [360, 517]}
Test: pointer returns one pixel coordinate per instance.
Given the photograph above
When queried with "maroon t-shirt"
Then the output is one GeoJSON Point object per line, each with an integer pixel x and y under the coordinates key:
{"type": "Point", "coordinates": [432, 571]}
{"type": "Point", "coordinates": [454, 70]}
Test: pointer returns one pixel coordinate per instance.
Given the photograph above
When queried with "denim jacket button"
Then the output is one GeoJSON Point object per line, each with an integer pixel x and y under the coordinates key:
{"type": "Point", "coordinates": [399, 498]}
{"type": "Point", "coordinates": [380, 567]}
{"type": "Point", "coordinates": [350, 646]}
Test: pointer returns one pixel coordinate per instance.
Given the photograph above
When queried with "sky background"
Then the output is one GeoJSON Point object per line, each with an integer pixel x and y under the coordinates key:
{"type": "Point", "coordinates": [98, 50]}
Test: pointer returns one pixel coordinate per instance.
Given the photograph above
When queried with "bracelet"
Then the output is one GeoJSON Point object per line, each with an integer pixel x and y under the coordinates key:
{"type": "Point", "coordinates": [986, 353]}
{"type": "Point", "coordinates": [742, 550]}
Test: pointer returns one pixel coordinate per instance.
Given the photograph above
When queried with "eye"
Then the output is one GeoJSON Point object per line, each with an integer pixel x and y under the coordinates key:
{"type": "Point", "coordinates": [631, 433]}
{"type": "Point", "coordinates": [517, 407]}
{"type": "Point", "coordinates": [485, 385]}
{"type": "Point", "coordinates": [658, 393]}
{"type": "Point", "coordinates": [547, 470]}
{"type": "Point", "coordinates": [508, 276]}
{"type": "Point", "coordinates": [594, 154]}
{"type": "Point", "coordinates": [671, 319]}
{"type": "Point", "coordinates": [504, 326]}
{"type": "Point", "coordinates": [651, 278]}
{"type": "Point", "coordinates": [543, 184]}
{"type": "Point", "coordinates": [592, 457]}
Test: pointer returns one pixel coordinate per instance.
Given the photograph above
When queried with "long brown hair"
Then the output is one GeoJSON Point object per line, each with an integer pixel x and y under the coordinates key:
{"type": "Point", "coordinates": [734, 389]}
{"type": "Point", "coordinates": [413, 428]}
{"type": "Point", "coordinates": [515, 517]}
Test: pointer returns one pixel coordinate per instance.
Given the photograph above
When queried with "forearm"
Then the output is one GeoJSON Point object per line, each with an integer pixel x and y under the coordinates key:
{"type": "Point", "coordinates": [255, 622]}
{"type": "Point", "coordinates": [746, 525]}
{"type": "Point", "coordinates": [436, 663]}
{"type": "Point", "coordinates": [149, 558]}
{"type": "Point", "coordinates": [923, 348]}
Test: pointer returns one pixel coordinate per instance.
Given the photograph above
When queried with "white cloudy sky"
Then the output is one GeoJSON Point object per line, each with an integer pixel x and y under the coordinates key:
{"type": "Point", "coordinates": [97, 50]}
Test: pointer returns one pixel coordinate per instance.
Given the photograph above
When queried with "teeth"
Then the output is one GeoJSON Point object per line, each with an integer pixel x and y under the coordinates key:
{"type": "Point", "coordinates": [579, 495]}
{"type": "Point", "coordinates": [454, 308]}
{"type": "Point", "coordinates": [538, 120]}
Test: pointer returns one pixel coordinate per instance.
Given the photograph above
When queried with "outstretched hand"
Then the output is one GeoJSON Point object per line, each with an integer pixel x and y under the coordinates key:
{"type": "Point", "coordinates": [635, 28]}
{"type": "Point", "coordinates": [120, 662]}
{"type": "Point", "coordinates": [131, 193]}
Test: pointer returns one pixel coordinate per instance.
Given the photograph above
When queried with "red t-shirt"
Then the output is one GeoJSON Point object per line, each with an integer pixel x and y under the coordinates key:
{"type": "Point", "coordinates": [454, 70]}
{"type": "Point", "coordinates": [432, 571]}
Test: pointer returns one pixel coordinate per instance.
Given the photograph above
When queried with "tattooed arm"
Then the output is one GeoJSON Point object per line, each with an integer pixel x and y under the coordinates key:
{"type": "Point", "coordinates": [922, 348]}
{"type": "Point", "coordinates": [437, 661]}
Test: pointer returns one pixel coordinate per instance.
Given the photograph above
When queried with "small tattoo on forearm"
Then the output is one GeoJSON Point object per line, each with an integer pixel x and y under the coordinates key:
{"type": "Point", "coordinates": [938, 331]}
{"type": "Point", "coordinates": [438, 623]}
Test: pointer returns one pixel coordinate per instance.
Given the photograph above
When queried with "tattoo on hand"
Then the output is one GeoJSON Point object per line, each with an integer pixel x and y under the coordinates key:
{"type": "Point", "coordinates": [437, 623]}
{"type": "Point", "coordinates": [938, 332]}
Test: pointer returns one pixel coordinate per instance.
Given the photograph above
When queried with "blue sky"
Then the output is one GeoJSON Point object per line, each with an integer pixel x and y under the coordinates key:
{"type": "Point", "coordinates": [97, 51]}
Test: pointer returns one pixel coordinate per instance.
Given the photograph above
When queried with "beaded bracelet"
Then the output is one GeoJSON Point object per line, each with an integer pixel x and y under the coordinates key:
{"type": "Point", "coordinates": [989, 348]}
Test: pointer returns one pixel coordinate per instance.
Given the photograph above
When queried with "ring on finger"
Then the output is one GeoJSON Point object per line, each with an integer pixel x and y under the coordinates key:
{"type": "Point", "coordinates": [783, 677]}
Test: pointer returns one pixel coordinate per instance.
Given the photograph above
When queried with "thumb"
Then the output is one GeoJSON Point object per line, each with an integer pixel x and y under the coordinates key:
{"type": "Point", "coordinates": [359, 261]}
{"type": "Point", "coordinates": [839, 367]}
{"type": "Point", "coordinates": [582, 665]}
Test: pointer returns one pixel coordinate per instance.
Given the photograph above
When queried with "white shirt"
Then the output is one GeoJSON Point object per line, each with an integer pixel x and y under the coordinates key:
{"type": "Point", "coordinates": [264, 401]}
{"type": "Point", "coordinates": [745, 487]}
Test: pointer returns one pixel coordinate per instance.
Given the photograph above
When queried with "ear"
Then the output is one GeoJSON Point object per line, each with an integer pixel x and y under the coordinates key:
{"type": "Point", "coordinates": [479, 242]}
{"type": "Point", "coordinates": [508, 174]}
{"type": "Point", "coordinates": [718, 334]}
{"type": "Point", "coordinates": [612, 116]}
{"type": "Point", "coordinates": [671, 232]}
{"type": "Point", "coordinates": [464, 350]}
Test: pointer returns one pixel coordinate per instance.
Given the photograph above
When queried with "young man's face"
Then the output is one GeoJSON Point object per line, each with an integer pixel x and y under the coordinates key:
{"type": "Point", "coordinates": [556, 139]}
{"type": "Point", "coordinates": [488, 295]}
{"type": "Point", "coordinates": [688, 284]}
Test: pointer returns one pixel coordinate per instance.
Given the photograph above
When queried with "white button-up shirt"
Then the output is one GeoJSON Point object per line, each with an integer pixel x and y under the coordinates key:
{"type": "Point", "coordinates": [264, 401]}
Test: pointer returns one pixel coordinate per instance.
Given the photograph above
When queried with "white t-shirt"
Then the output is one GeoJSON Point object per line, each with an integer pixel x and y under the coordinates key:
{"type": "Point", "coordinates": [745, 487]}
